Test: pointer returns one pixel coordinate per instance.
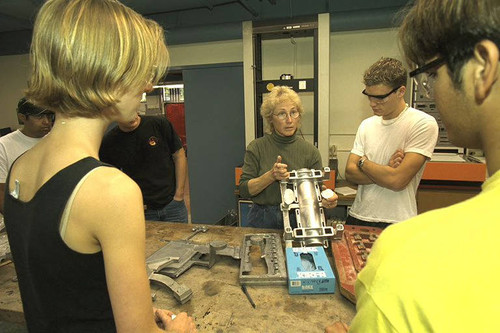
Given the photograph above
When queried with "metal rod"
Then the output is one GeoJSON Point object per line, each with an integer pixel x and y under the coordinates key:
{"type": "Point", "coordinates": [244, 288]}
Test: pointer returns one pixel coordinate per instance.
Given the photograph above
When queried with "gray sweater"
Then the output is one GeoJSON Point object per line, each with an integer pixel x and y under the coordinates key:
{"type": "Point", "coordinates": [261, 155]}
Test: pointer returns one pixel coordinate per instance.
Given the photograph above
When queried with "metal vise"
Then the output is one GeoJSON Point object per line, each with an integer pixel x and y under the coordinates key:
{"type": "Point", "coordinates": [301, 194]}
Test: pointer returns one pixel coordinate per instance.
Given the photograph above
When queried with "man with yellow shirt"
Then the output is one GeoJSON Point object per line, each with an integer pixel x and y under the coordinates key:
{"type": "Point", "coordinates": [438, 272]}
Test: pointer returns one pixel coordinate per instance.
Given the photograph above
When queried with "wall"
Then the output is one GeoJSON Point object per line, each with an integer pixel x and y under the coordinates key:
{"type": "Point", "coordinates": [296, 57]}
{"type": "Point", "coordinates": [15, 70]}
{"type": "Point", "coordinates": [14, 74]}
{"type": "Point", "coordinates": [351, 53]}
{"type": "Point", "coordinates": [206, 53]}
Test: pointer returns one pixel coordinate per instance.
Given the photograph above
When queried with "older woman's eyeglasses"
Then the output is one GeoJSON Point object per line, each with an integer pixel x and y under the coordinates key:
{"type": "Point", "coordinates": [379, 99]}
{"type": "Point", "coordinates": [425, 76]}
{"type": "Point", "coordinates": [283, 115]}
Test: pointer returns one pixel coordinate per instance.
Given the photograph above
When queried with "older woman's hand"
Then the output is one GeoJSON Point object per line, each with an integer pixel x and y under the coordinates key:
{"type": "Point", "coordinates": [279, 170]}
{"type": "Point", "coordinates": [331, 199]}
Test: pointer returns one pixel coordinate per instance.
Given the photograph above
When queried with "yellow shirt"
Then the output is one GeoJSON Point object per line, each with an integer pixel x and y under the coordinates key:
{"type": "Point", "coordinates": [437, 272]}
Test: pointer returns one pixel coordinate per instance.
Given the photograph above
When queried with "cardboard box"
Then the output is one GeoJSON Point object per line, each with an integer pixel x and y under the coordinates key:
{"type": "Point", "coordinates": [309, 271]}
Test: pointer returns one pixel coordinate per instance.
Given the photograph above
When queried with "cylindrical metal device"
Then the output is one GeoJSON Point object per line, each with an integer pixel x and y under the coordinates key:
{"type": "Point", "coordinates": [309, 210]}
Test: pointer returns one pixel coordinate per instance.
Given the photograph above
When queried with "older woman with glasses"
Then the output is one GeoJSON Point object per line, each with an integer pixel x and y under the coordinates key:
{"type": "Point", "coordinates": [268, 159]}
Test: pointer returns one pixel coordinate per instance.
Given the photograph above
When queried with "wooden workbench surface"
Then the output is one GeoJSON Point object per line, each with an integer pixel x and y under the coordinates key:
{"type": "Point", "coordinates": [218, 304]}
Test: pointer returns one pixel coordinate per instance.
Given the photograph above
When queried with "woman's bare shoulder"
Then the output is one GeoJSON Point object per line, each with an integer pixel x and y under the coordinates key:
{"type": "Point", "coordinates": [106, 204]}
{"type": "Point", "coordinates": [111, 177]}
{"type": "Point", "coordinates": [110, 189]}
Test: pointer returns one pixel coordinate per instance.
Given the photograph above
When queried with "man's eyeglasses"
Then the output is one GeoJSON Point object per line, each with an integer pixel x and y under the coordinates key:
{"type": "Point", "coordinates": [425, 76]}
{"type": "Point", "coordinates": [380, 98]}
{"type": "Point", "coordinates": [284, 115]}
{"type": "Point", "coordinates": [50, 116]}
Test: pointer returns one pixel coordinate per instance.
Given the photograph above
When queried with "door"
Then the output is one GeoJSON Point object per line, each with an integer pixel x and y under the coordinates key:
{"type": "Point", "coordinates": [215, 132]}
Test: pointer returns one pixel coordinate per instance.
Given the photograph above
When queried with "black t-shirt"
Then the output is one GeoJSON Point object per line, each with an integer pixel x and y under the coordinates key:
{"type": "Point", "coordinates": [62, 290]}
{"type": "Point", "coordinates": [145, 155]}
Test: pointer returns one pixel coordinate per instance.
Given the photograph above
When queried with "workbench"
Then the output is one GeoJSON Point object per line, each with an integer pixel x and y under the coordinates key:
{"type": "Point", "coordinates": [218, 303]}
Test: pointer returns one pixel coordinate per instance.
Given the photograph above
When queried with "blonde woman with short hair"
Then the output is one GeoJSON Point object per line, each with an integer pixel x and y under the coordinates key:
{"type": "Point", "coordinates": [75, 225]}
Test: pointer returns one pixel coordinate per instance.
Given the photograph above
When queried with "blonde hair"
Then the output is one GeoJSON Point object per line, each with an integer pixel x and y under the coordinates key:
{"type": "Point", "coordinates": [87, 53]}
{"type": "Point", "coordinates": [278, 95]}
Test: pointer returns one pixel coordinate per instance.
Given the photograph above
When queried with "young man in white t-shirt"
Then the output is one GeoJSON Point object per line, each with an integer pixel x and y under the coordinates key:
{"type": "Point", "coordinates": [390, 149]}
{"type": "Point", "coordinates": [37, 123]}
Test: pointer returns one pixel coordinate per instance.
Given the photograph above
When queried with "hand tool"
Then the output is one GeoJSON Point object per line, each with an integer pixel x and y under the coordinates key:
{"type": "Point", "coordinates": [244, 288]}
{"type": "Point", "coordinates": [197, 230]}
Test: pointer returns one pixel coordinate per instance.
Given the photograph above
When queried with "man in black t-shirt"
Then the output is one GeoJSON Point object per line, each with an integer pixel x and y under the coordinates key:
{"type": "Point", "coordinates": [150, 152]}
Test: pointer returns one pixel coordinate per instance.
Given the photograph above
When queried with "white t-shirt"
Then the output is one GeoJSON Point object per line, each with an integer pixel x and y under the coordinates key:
{"type": "Point", "coordinates": [11, 146]}
{"type": "Point", "coordinates": [413, 131]}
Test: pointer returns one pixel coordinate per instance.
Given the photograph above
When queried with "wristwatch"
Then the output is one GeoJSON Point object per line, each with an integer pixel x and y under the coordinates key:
{"type": "Point", "coordinates": [361, 161]}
